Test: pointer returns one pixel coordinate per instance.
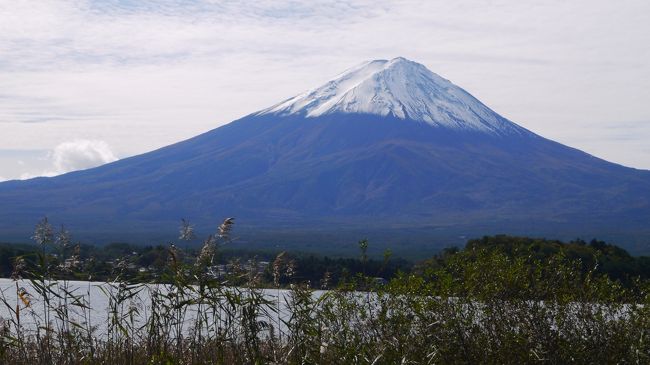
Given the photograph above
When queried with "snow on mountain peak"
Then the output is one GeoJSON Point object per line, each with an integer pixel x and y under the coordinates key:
{"type": "Point", "coordinates": [400, 88]}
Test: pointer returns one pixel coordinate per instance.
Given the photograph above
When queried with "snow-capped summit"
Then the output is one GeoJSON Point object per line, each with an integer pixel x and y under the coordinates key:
{"type": "Point", "coordinates": [400, 88]}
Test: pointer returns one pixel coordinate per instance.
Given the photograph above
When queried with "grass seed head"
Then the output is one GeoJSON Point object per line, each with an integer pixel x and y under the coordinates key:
{"type": "Point", "coordinates": [225, 228]}
{"type": "Point", "coordinates": [43, 233]}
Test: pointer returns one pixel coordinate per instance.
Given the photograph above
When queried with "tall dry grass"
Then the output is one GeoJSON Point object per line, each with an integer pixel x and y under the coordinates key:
{"type": "Point", "coordinates": [482, 307]}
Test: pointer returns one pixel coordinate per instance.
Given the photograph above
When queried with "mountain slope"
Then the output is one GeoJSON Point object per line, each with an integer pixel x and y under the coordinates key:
{"type": "Point", "coordinates": [354, 155]}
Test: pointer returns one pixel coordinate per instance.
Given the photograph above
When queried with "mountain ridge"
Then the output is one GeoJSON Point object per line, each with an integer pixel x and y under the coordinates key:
{"type": "Point", "coordinates": [336, 172]}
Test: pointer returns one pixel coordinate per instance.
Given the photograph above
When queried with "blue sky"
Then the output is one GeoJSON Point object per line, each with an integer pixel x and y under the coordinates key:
{"type": "Point", "coordinates": [86, 82]}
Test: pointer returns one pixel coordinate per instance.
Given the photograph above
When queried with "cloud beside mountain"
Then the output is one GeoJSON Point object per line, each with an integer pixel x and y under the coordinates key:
{"type": "Point", "coordinates": [79, 154]}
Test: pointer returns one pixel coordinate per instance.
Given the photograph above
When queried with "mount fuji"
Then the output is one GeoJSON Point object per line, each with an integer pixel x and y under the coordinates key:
{"type": "Point", "coordinates": [387, 149]}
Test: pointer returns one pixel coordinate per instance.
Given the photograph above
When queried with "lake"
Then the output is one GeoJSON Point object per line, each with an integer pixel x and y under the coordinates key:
{"type": "Point", "coordinates": [92, 306]}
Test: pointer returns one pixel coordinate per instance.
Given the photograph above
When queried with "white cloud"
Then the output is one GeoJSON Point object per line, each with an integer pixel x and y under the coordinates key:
{"type": "Point", "coordinates": [143, 74]}
{"type": "Point", "coordinates": [74, 155]}
{"type": "Point", "coordinates": [80, 155]}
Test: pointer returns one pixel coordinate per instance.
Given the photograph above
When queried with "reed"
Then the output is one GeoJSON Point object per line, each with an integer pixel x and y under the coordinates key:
{"type": "Point", "coordinates": [481, 307]}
